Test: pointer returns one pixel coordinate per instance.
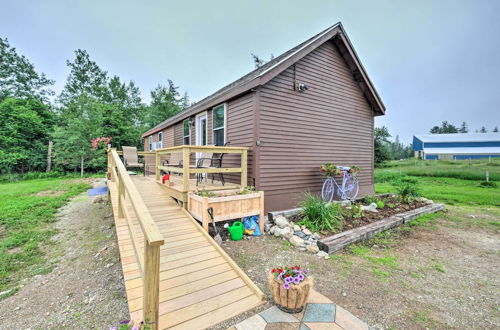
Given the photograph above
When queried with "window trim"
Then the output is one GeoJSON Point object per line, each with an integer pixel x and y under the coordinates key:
{"type": "Point", "coordinates": [151, 147]}
{"type": "Point", "coordinates": [225, 123]}
{"type": "Point", "coordinates": [189, 130]}
{"type": "Point", "coordinates": [159, 143]}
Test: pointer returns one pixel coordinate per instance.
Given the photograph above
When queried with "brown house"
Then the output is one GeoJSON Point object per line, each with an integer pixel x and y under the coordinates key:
{"type": "Point", "coordinates": [310, 105]}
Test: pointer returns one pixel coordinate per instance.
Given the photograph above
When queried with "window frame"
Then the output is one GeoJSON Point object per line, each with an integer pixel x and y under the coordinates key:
{"type": "Point", "coordinates": [151, 143]}
{"type": "Point", "coordinates": [224, 105]}
{"type": "Point", "coordinates": [189, 130]}
{"type": "Point", "coordinates": [159, 143]}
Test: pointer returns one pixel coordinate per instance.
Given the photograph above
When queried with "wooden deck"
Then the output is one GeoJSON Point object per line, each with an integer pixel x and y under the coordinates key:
{"type": "Point", "coordinates": [200, 285]}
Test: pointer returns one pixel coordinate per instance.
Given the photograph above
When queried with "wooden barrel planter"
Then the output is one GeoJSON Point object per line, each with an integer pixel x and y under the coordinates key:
{"type": "Point", "coordinates": [227, 205]}
{"type": "Point", "coordinates": [290, 300]}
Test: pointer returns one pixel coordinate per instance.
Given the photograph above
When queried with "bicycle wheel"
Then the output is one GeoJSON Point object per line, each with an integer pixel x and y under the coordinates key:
{"type": "Point", "coordinates": [328, 190]}
{"type": "Point", "coordinates": [351, 188]}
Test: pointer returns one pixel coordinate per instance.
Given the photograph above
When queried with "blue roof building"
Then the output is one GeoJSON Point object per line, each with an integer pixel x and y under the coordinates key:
{"type": "Point", "coordinates": [457, 146]}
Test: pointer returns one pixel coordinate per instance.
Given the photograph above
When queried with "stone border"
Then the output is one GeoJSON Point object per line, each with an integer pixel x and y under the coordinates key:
{"type": "Point", "coordinates": [339, 241]}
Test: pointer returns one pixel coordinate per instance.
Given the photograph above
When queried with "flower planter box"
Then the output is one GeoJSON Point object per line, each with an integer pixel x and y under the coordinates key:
{"type": "Point", "coordinates": [227, 205]}
{"type": "Point", "coordinates": [290, 300]}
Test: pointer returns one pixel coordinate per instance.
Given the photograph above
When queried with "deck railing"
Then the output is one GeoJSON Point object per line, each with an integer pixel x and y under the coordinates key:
{"type": "Point", "coordinates": [149, 260]}
{"type": "Point", "coordinates": [186, 170]}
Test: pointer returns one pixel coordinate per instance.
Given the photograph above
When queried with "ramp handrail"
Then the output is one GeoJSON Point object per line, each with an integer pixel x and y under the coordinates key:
{"type": "Point", "coordinates": [149, 261]}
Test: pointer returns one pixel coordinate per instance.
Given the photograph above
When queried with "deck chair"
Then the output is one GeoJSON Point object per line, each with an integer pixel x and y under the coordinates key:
{"type": "Point", "coordinates": [175, 160]}
{"type": "Point", "coordinates": [130, 158]}
{"type": "Point", "coordinates": [205, 161]}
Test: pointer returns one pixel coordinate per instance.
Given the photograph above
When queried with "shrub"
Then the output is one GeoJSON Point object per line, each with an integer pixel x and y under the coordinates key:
{"type": "Point", "coordinates": [371, 199]}
{"type": "Point", "coordinates": [354, 211]}
{"type": "Point", "coordinates": [319, 215]}
{"type": "Point", "coordinates": [380, 204]}
{"type": "Point", "coordinates": [488, 184]}
{"type": "Point", "coordinates": [407, 188]}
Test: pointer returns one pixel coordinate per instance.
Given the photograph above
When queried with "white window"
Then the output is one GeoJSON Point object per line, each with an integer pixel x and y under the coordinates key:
{"type": "Point", "coordinates": [151, 144]}
{"type": "Point", "coordinates": [187, 131]}
{"type": "Point", "coordinates": [219, 125]}
{"type": "Point", "coordinates": [159, 144]}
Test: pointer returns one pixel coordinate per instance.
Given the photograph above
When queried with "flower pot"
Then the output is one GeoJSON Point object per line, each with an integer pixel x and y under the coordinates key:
{"type": "Point", "coordinates": [290, 300]}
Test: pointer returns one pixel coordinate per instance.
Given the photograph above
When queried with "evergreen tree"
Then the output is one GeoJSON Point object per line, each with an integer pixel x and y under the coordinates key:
{"type": "Point", "coordinates": [463, 128]}
{"type": "Point", "coordinates": [165, 103]}
{"type": "Point", "coordinates": [495, 130]}
{"type": "Point", "coordinates": [483, 130]}
{"type": "Point", "coordinates": [382, 151]}
{"type": "Point", "coordinates": [445, 128]}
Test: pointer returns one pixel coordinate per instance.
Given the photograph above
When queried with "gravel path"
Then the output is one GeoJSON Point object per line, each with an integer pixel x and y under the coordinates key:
{"type": "Point", "coordinates": [85, 289]}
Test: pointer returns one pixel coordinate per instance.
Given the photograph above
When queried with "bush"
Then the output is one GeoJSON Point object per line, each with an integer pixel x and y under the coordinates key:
{"type": "Point", "coordinates": [353, 211]}
{"type": "Point", "coordinates": [488, 184]}
{"type": "Point", "coordinates": [407, 188]}
{"type": "Point", "coordinates": [383, 177]}
{"type": "Point", "coordinates": [319, 215]}
{"type": "Point", "coordinates": [371, 199]}
{"type": "Point", "coordinates": [380, 204]}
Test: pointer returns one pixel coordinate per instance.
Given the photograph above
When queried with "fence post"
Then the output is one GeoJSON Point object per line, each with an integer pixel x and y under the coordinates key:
{"type": "Point", "coordinates": [151, 287]}
{"type": "Point", "coordinates": [186, 152]}
{"type": "Point", "coordinates": [244, 175]}
{"type": "Point", "coordinates": [157, 162]}
{"type": "Point", "coordinates": [121, 192]}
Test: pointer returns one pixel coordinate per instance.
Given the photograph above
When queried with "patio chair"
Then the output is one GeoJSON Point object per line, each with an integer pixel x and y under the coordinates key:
{"type": "Point", "coordinates": [205, 161]}
{"type": "Point", "coordinates": [174, 161]}
{"type": "Point", "coordinates": [130, 158]}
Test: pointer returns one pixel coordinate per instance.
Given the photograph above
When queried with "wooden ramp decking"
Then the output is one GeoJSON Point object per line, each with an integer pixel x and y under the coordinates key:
{"type": "Point", "coordinates": [200, 285]}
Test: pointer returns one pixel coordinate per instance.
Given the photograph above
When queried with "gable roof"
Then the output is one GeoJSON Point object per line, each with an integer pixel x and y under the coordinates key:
{"type": "Point", "coordinates": [271, 69]}
{"type": "Point", "coordinates": [459, 137]}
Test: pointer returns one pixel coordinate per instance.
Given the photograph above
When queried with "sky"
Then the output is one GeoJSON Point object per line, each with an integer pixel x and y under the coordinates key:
{"type": "Point", "coordinates": [430, 61]}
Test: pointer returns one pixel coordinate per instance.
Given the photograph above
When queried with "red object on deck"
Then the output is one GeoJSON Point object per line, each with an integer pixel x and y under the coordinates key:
{"type": "Point", "coordinates": [166, 177]}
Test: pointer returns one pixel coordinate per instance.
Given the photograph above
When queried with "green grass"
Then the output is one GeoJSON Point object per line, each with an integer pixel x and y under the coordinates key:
{"type": "Point", "coordinates": [26, 215]}
{"type": "Point", "coordinates": [459, 169]}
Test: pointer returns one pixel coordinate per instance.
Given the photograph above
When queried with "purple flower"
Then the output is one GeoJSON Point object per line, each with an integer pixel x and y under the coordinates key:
{"type": "Point", "coordinates": [125, 322]}
{"type": "Point", "coordinates": [135, 327]}
{"type": "Point", "coordinates": [113, 328]}
{"type": "Point", "coordinates": [288, 280]}
{"type": "Point", "coordinates": [286, 286]}
{"type": "Point", "coordinates": [296, 280]}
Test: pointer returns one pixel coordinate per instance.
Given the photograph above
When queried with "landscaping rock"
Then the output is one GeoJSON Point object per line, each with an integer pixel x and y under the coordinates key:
{"type": "Point", "coordinates": [281, 221]}
{"type": "Point", "coordinates": [345, 203]}
{"type": "Point", "coordinates": [267, 227]}
{"type": "Point", "coordinates": [313, 248]}
{"type": "Point", "coordinates": [370, 208]}
{"type": "Point", "coordinates": [272, 230]}
{"type": "Point", "coordinates": [296, 228]}
{"type": "Point", "coordinates": [316, 236]}
{"type": "Point", "coordinates": [296, 241]}
{"type": "Point", "coordinates": [323, 254]}
{"type": "Point", "coordinates": [287, 232]}
{"type": "Point", "coordinates": [300, 234]}
{"type": "Point", "coordinates": [307, 232]}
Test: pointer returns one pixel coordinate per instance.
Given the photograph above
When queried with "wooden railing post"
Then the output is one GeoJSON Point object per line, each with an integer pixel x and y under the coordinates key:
{"type": "Point", "coordinates": [186, 152]}
{"type": "Point", "coordinates": [110, 164]}
{"type": "Point", "coordinates": [121, 192]}
{"type": "Point", "coordinates": [157, 155]}
{"type": "Point", "coordinates": [151, 287]}
{"type": "Point", "coordinates": [244, 173]}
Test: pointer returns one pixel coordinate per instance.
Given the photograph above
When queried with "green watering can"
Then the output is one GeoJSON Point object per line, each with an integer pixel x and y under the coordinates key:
{"type": "Point", "coordinates": [236, 231]}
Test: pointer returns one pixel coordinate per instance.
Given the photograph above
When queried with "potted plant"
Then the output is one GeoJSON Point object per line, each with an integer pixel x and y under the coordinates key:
{"type": "Point", "coordinates": [290, 287]}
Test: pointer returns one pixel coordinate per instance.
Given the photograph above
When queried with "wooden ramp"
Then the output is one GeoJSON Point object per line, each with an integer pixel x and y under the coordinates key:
{"type": "Point", "coordinates": [200, 285]}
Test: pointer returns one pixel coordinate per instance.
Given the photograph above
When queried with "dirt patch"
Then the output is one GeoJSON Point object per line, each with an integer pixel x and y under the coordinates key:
{"type": "Point", "coordinates": [83, 287]}
{"type": "Point", "coordinates": [437, 276]}
{"type": "Point", "coordinates": [49, 193]}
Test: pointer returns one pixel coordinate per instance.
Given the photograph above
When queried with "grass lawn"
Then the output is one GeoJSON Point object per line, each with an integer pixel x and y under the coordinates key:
{"type": "Point", "coordinates": [27, 209]}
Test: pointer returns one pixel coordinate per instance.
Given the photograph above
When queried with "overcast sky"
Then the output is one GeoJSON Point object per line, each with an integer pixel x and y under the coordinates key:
{"type": "Point", "coordinates": [429, 60]}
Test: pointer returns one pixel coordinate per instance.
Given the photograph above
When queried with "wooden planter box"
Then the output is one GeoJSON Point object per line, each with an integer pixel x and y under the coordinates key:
{"type": "Point", "coordinates": [227, 205]}
{"type": "Point", "coordinates": [292, 300]}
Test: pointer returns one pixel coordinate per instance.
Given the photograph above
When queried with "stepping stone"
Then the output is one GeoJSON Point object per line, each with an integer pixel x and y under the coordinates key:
{"type": "Point", "coordinates": [255, 322]}
{"type": "Point", "coordinates": [283, 326]}
{"type": "Point", "coordinates": [274, 315]}
{"type": "Point", "coordinates": [324, 326]}
{"type": "Point", "coordinates": [348, 321]}
{"type": "Point", "coordinates": [319, 313]}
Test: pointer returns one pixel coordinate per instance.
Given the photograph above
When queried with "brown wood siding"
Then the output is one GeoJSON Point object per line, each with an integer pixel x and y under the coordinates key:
{"type": "Point", "coordinates": [330, 122]}
{"type": "Point", "coordinates": [240, 132]}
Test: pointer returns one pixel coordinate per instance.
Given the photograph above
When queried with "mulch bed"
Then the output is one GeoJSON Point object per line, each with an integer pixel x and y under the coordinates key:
{"type": "Point", "coordinates": [370, 217]}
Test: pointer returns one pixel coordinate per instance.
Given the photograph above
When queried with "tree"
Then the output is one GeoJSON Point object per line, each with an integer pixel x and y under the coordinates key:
{"type": "Point", "coordinates": [495, 130]}
{"type": "Point", "coordinates": [25, 125]}
{"type": "Point", "coordinates": [444, 129]}
{"type": "Point", "coordinates": [165, 103]}
{"type": "Point", "coordinates": [483, 130]}
{"type": "Point", "coordinates": [463, 128]}
{"type": "Point", "coordinates": [18, 77]}
{"type": "Point", "coordinates": [382, 152]}
{"type": "Point", "coordinates": [258, 61]}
